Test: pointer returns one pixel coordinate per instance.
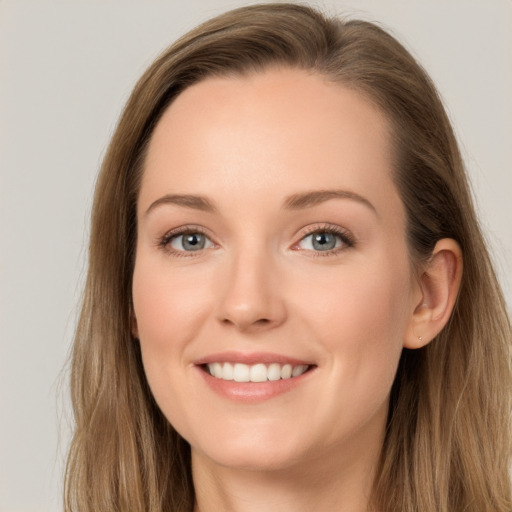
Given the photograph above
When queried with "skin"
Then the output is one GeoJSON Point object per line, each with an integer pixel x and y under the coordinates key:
{"type": "Point", "coordinates": [247, 144]}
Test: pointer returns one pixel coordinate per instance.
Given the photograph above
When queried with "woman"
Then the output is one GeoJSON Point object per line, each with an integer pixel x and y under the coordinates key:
{"type": "Point", "coordinates": [289, 302]}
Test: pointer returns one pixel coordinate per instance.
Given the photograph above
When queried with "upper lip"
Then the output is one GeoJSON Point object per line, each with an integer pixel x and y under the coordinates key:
{"type": "Point", "coordinates": [250, 358]}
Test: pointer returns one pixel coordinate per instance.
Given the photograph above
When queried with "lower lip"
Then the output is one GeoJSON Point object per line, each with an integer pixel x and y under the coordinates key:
{"type": "Point", "coordinates": [252, 392]}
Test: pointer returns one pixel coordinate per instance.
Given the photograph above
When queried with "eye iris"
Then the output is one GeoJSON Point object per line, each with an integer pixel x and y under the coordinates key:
{"type": "Point", "coordinates": [324, 241]}
{"type": "Point", "coordinates": [193, 242]}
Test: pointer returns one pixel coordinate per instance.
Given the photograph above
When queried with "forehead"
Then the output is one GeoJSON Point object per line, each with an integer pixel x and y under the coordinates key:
{"type": "Point", "coordinates": [273, 131]}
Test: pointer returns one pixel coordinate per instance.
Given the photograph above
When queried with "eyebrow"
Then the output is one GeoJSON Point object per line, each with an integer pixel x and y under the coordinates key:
{"type": "Point", "coordinates": [186, 200]}
{"type": "Point", "coordinates": [297, 201]}
{"type": "Point", "coordinates": [309, 199]}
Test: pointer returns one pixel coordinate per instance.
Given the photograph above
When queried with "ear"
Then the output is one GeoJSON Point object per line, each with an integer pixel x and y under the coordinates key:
{"type": "Point", "coordinates": [134, 327]}
{"type": "Point", "coordinates": [439, 285]}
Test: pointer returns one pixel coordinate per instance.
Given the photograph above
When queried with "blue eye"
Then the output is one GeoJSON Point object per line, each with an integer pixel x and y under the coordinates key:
{"type": "Point", "coordinates": [190, 242]}
{"type": "Point", "coordinates": [322, 241]}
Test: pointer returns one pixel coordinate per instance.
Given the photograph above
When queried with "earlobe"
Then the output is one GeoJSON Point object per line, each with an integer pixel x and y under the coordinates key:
{"type": "Point", "coordinates": [439, 285]}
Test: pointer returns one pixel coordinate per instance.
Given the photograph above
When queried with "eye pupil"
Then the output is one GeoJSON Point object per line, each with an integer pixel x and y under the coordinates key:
{"type": "Point", "coordinates": [324, 241]}
{"type": "Point", "coordinates": [193, 242]}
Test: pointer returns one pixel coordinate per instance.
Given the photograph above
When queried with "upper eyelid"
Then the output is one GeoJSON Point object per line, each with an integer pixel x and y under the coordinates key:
{"type": "Point", "coordinates": [183, 230]}
{"type": "Point", "coordinates": [346, 236]}
{"type": "Point", "coordinates": [329, 228]}
{"type": "Point", "coordinates": [317, 228]}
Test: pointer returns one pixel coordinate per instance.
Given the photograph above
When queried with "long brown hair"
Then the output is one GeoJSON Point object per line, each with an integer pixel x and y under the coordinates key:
{"type": "Point", "coordinates": [447, 446]}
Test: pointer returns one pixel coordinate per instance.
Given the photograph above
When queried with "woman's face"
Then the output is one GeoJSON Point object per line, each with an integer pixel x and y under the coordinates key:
{"type": "Point", "coordinates": [271, 239]}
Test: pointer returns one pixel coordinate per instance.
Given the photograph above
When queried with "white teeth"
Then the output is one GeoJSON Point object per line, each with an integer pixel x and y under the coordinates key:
{"type": "Point", "coordinates": [217, 370]}
{"type": "Point", "coordinates": [258, 373]}
{"type": "Point", "coordinates": [255, 373]}
{"type": "Point", "coordinates": [227, 372]}
{"type": "Point", "coordinates": [241, 373]}
{"type": "Point", "coordinates": [299, 370]}
{"type": "Point", "coordinates": [274, 372]}
{"type": "Point", "coordinates": [286, 371]}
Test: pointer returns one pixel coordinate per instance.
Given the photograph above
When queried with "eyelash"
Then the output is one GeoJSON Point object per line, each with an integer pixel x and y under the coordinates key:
{"type": "Point", "coordinates": [345, 236]}
{"type": "Point", "coordinates": [165, 241]}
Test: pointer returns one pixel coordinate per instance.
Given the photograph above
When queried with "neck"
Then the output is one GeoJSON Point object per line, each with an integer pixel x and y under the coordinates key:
{"type": "Point", "coordinates": [325, 484]}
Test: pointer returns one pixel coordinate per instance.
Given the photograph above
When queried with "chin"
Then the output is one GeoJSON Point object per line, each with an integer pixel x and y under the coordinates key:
{"type": "Point", "coordinates": [256, 460]}
{"type": "Point", "coordinates": [250, 453]}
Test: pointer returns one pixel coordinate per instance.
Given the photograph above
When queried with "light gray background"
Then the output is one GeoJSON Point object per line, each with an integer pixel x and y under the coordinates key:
{"type": "Point", "coordinates": [66, 69]}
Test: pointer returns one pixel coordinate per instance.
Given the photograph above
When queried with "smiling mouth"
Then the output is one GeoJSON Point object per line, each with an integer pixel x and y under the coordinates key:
{"type": "Point", "coordinates": [239, 372]}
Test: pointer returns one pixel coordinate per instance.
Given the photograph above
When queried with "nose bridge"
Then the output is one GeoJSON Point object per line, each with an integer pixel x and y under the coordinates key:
{"type": "Point", "coordinates": [251, 295]}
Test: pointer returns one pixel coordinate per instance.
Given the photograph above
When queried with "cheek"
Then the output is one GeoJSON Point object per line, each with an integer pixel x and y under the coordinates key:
{"type": "Point", "coordinates": [360, 299]}
{"type": "Point", "coordinates": [165, 304]}
{"type": "Point", "coordinates": [361, 318]}
{"type": "Point", "coordinates": [169, 310]}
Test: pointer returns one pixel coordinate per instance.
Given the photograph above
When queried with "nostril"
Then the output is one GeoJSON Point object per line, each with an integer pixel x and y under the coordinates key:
{"type": "Point", "coordinates": [245, 324]}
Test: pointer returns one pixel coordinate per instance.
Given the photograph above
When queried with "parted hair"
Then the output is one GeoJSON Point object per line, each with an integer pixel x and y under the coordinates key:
{"type": "Point", "coordinates": [447, 446]}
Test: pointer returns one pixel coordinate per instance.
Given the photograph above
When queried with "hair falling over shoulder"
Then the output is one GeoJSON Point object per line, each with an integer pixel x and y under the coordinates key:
{"type": "Point", "coordinates": [447, 445]}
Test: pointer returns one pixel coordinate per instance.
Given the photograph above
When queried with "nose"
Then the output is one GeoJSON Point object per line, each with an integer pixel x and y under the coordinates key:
{"type": "Point", "coordinates": [253, 297]}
